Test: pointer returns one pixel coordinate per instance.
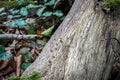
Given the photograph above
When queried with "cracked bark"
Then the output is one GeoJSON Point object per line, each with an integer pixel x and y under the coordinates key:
{"type": "Point", "coordinates": [80, 49]}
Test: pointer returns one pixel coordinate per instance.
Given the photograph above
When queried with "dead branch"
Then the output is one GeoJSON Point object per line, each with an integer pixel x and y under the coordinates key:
{"type": "Point", "coordinates": [18, 36]}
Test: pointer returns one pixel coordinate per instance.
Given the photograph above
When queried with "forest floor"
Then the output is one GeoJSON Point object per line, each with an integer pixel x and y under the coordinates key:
{"type": "Point", "coordinates": [25, 28]}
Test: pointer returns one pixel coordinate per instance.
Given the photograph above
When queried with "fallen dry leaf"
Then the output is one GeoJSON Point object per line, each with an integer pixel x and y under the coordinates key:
{"type": "Point", "coordinates": [6, 71]}
{"type": "Point", "coordinates": [18, 61]}
{"type": "Point", "coordinates": [3, 64]}
{"type": "Point", "coordinates": [38, 32]}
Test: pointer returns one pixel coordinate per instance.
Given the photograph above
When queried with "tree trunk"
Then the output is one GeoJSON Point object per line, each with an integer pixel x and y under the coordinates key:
{"type": "Point", "coordinates": [83, 46]}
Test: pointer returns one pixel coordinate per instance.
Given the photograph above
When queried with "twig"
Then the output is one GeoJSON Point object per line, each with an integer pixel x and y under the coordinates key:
{"type": "Point", "coordinates": [3, 25]}
{"type": "Point", "coordinates": [17, 36]}
{"type": "Point", "coordinates": [58, 2]}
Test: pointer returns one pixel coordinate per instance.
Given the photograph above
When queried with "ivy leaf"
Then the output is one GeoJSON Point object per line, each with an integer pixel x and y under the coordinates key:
{"type": "Point", "coordinates": [13, 11]}
{"type": "Point", "coordinates": [12, 24]}
{"type": "Point", "coordinates": [2, 14]}
{"type": "Point", "coordinates": [32, 6]}
{"type": "Point", "coordinates": [24, 50]}
{"type": "Point", "coordinates": [40, 11]}
{"type": "Point", "coordinates": [45, 1]}
{"type": "Point", "coordinates": [5, 56]}
{"type": "Point", "coordinates": [47, 14]}
{"type": "Point", "coordinates": [62, 18]}
{"type": "Point", "coordinates": [48, 32]}
{"type": "Point", "coordinates": [10, 16]}
{"type": "Point", "coordinates": [41, 42]}
{"type": "Point", "coordinates": [27, 56]}
{"type": "Point", "coordinates": [16, 16]}
{"type": "Point", "coordinates": [2, 48]}
{"type": "Point", "coordinates": [23, 11]}
{"type": "Point", "coordinates": [25, 65]}
{"type": "Point", "coordinates": [58, 13]}
{"type": "Point", "coordinates": [2, 9]}
{"type": "Point", "coordinates": [50, 3]}
{"type": "Point", "coordinates": [31, 30]}
{"type": "Point", "coordinates": [20, 22]}
{"type": "Point", "coordinates": [20, 2]}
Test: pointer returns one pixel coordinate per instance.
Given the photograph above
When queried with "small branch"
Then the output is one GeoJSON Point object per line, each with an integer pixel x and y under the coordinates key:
{"type": "Point", "coordinates": [58, 2]}
{"type": "Point", "coordinates": [3, 25]}
{"type": "Point", "coordinates": [17, 36]}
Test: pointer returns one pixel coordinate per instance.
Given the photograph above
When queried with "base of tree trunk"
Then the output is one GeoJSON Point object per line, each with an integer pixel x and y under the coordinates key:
{"type": "Point", "coordinates": [83, 46]}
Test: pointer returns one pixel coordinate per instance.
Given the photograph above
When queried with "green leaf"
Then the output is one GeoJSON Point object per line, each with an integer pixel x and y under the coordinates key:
{"type": "Point", "coordinates": [23, 11]}
{"type": "Point", "coordinates": [1, 31]}
{"type": "Point", "coordinates": [16, 16]}
{"type": "Point", "coordinates": [2, 48]}
{"type": "Point", "coordinates": [5, 56]}
{"type": "Point", "coordinates": [50, 3]}
{"type": "Point", "coordinates": [20, 2]}
{"type": "Point", "coordinates": [48, 32]}
{"type": "Point", "coordinates": [14, 11]}
{"type": "Point", "coordinates": [31, 30]}
{"type": "Point", "coordinates": [14, 78]}
{"type": "Point", "coordinates": [20, 22]}
{"type": "Point", "coordinates": [47, 14]}
{"type": "Point", "coordinates": [112, 3]}
{"type": "Point", "coordinates": [12, 24]}
{"type": "Point", "coordinates": [2, 14]}
{"type": "Point", "coordinates": [58, 13]}
{"type": "Point", "coordinates": [27, 56]}
{"type": "Point", "coordinates": [62, 18]}
{"type": "Point", "coordinates": [32, 6]}
{"type": "Point", "coordinates": [25, 65]}
{"type": "Point", "coordinates": [40, 11]}
{"type": "Point", "coordinates": [41, 42]}
{"type": "Point", "coordinates": [33, 76]}
{"type": "Point", "coordinates": [45, 1]}
{"type": "Point", "coordinates": [10, 16]}
{"type": "Point", "coordinates": [2, 9]}
{"type": "Point", "coordinates": [24, 50]}
{"type": "Point", "coordinates": [29, 22]}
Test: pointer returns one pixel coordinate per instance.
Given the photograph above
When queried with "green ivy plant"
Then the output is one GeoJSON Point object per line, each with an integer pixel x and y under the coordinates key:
{"type": "Point", "coordinates": [4, 55]}
{"type": "Point", "coordinates": [16, 14]}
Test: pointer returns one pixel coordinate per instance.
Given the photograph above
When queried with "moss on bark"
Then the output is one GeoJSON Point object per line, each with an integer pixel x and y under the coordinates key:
{"type": "Point", "coordinates": [112, 3]}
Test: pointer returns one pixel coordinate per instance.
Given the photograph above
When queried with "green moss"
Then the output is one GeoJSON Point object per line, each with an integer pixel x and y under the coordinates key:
{"type": "Point", "coordinates": [112, 3]}
{"type": "Point", "coordinates": [13, 3]}
{"type": "Point", "coordinates": [33, 76]}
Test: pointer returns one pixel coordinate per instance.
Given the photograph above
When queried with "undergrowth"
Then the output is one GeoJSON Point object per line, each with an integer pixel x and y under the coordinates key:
{"type": "Point", "coordinates": [33, 76]}
{"type": "Point", "coordinates": [112, 4]}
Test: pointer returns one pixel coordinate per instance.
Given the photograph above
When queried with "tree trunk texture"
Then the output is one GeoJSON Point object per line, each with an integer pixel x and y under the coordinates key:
{"type": "Point", "coordinates": [83, 47]}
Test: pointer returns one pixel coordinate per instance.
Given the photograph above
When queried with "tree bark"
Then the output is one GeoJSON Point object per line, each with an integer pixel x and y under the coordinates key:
{"type": "Point", "coordinates": [83, 46]}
